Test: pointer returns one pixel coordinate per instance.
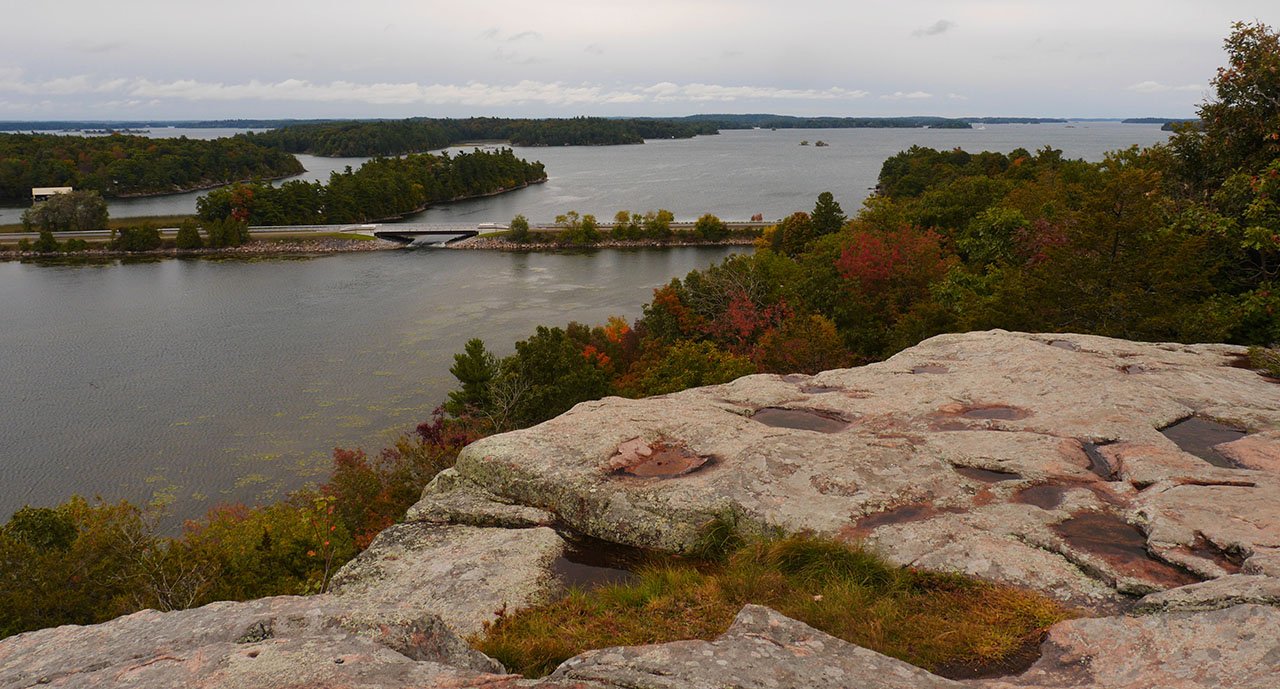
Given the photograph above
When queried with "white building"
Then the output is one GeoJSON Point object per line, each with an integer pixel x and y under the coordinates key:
{"type": "Point", "coordinates": [39, 194]}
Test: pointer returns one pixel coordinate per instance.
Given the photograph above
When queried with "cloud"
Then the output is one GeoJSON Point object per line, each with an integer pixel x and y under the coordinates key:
{"type": "Point", "coordinates": [102, 47]}
{"type": "Point", "coordinates": [939, 27]}
{"type": "Point", "coordinates": [489, 34]}
{"type": "Point", "coordinates": [957, 96]}
{"type": "Point", "coordinates": [534, 35]}
{"type": "Point", "coordinates": [903, 95]}
{"type": "Point", "coordinates": [1148, 87]}
{"type": "Point", "coordinates": [594, 49]}
{"type": "Point", "coordinates": [468, 94]}
{"type": "Point", "coordinates": [514, 57]}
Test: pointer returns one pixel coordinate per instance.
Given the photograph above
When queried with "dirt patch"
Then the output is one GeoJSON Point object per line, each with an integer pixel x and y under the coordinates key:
{"type": "Point", "coordinates": [661, 459]}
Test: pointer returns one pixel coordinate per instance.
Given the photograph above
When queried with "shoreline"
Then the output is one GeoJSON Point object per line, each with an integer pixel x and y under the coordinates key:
{"type": "Point", "coordinates": [456, 199]}
{"type": "Point", "coordinates": [259, 249]}
{"type": "Point", "coordinates": [500, 244]}
{"type": "Point", "coordinates": [305, 246]}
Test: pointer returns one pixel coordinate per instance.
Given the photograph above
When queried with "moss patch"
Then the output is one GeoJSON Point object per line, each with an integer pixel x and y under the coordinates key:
{"type": "Point", "coordinates": [949, 624]}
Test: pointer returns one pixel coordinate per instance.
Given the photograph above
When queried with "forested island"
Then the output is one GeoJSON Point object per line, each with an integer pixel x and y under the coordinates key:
{"type": "Point", "coordinates": [381, 189]}
{"type": "Point", "coordinates": [394, 137]}
{"type": "Point", "coordinates": [125, 165]}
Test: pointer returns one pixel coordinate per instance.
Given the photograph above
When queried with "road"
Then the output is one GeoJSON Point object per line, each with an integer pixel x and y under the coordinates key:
{"type": "Point", "coordinates": [363, 228]}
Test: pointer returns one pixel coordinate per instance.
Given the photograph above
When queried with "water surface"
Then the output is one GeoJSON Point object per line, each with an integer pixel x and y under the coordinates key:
{"type": "Point", "coordinates": [205, 380]}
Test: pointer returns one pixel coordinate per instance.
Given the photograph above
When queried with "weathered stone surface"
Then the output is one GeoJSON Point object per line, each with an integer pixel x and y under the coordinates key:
{"type": "Point", "coordinates": [762, 649]}
{"type": "Point", "coordinates": [451, 500]}
{"type": "Point", "coordinates": [467, 575]}
{"type": "Point", "coordinates": [282, 641]}
{"type": "Point", "coordinates": [1235, 648]}
{"type": "Point", "coordinates": [977, 453]}
{"type": "Point", "coordinates": [1224, 592]}
{"type": "Point", "coordinates": [1259, 451]}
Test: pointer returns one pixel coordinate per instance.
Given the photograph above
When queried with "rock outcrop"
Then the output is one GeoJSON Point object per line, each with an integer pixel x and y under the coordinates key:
{"type": "Point", "coordinates": [1138, 482]}
{"type": "Point", "coordinates": [1033, 460]}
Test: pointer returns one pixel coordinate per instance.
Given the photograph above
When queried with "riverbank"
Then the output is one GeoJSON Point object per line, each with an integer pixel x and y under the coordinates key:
{"type": "Point", "coordinates": [483, 243]}
{"type": "Point", "coordinates": [257, 248]}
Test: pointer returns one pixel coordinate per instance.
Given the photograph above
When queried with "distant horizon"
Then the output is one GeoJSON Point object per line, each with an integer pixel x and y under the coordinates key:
{"type": "Point", "coordinates": [393, 59]}
{"type": "Point", "coordinates": [195, 120]}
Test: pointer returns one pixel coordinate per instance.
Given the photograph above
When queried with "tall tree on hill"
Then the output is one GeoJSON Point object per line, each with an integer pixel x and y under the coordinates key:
{"type": "Point", "coordinates": [827, 215]}
{"type": "Point", "coordinates": [1240, 125]}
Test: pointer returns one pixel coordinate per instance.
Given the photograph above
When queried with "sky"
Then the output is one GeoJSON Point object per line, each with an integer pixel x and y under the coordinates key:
{"type": "Point", "coordinates": [178, 59]}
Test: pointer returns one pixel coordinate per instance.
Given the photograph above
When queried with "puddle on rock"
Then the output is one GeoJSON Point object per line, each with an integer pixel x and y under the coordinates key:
{"type": "Point", "coordinates": [659, 460]}
{"type": "Point", "coordinates": [930, 368]}
{"type": "Point", "coordinates": [589, 563]}
{"type": "Point", "coordinates": [1046, 496]}
{"type": "Point", "coordinates": [996, 411]}
{"type": "Point", "coordinates": [1197, 436]}
{"type": "Point", "coordinates": [898, 515]}
{"type": "Point", "coordinates": [1064, 344]}
{"type": "Point", "coordinates": [987, 475]}
{"type": "Point", "coordinates": [818, 389]}
{"type": "Point", "coordinates": [800, 419]}
{"type": "Point", "coordinates": [1098, 462]}
{"type": "Point", "coordinates": [1122, 546]}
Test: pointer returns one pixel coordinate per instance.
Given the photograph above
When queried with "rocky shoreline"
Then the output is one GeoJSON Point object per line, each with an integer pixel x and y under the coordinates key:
{"type": "Point", "coordinates": [500, 244]}
{"type": "Point", "coordinates": [254, 249]}
{"type": "Point", "coordinates": [1059, 463]}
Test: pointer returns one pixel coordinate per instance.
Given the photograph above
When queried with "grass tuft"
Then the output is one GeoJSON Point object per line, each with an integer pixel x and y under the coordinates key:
{"type": "Point", "coordinates": [1265, 359]}
{"type": "Point", "coordinates": [944, 623]}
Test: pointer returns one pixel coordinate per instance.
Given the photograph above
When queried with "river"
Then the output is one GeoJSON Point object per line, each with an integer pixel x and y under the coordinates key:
{"type": "Point", "coordinates": [734, 174]}
{"type": "Point", "coordinates": [200, 381]}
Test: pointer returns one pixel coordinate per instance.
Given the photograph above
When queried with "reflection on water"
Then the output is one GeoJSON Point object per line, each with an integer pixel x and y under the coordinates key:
{"type": "Point", "coordinates": [234, 379]}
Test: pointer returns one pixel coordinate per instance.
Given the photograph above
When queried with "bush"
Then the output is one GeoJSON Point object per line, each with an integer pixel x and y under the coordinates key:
{"type": "Point", "coordinates": [46, 244]}
{"type": "Point", "coordinates": [144, 238]}
{"type": "Point", "coordinates": [710, 228]}
{"type": "Point", "coordinates": [188, 236]}
{"type": "Point", "coordinates": [519, 230]}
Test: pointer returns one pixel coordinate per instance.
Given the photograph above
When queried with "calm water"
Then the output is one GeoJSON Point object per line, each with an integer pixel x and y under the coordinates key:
{"type": "Point", "coordinates": [202, 381]}
{"type": "Point", "coordinates": [734, 175]}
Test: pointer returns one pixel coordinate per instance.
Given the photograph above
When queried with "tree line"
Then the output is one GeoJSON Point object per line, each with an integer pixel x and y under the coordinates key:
{"type": "Point", "coordinates": [122, 165]}
{"type": "Point", "coordinates": [395, 137]}
{"type": "Point", "coordinates": [382, 188]}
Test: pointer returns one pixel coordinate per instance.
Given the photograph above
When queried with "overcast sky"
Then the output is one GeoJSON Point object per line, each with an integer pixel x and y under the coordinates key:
{"type": "Point", "coordinates": [148, 59]}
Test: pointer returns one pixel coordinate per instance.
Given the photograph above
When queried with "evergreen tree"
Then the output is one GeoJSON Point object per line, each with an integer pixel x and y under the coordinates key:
{"type": "Point", "coordinates": [475, 368]}
{"type": "Point", "coordinates": [827, 215]}
{"type": "Point", "coordinates": [188, 236]}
